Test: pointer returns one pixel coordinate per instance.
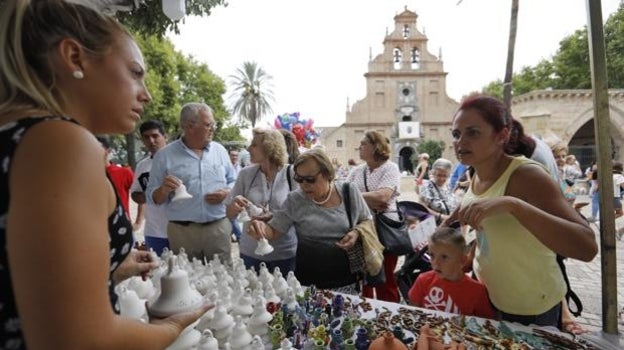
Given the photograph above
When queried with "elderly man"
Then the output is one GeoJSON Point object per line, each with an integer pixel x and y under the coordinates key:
{"type": "Point", "coordinates": [197, 224]}
{"type": "Point", "coordinates": [154, 138]}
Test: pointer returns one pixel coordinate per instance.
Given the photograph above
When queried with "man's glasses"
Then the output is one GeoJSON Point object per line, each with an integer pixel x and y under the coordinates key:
{"type": "Point", "coordinates": [310, 179]}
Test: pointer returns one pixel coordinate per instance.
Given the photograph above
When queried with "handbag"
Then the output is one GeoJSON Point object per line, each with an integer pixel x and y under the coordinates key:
{"type": "Point", "coordinates": [392, 233]}
{"type": "Point", "coordinates": [372, 248]}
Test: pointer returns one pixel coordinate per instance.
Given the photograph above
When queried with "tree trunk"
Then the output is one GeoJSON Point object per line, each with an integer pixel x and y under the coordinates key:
{"type": "Point", "coordinates": [131, 149]}
{"type": "Point", "coordinates": [513, 28]}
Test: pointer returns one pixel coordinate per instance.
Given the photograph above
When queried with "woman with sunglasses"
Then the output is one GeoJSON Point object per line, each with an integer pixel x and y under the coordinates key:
{"type": "Point", "coordinates": [378, 178]}
{"type": "Point", "coordinates": [265, 183]}
{"type": "Point", "coordinates": [323, 230]}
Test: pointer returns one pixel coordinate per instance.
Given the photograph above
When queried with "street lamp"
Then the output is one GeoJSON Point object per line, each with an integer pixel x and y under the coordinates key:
{"type": "Point", "coordinates": [174, 9]}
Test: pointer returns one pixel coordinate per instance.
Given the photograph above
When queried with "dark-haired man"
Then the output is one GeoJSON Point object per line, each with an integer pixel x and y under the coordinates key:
{"type": "Point", "coordinates": [154, 138]}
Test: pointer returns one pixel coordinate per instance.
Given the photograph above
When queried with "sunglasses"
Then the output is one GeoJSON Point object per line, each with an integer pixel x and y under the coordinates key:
{"type": "Point", "coordinates": [310, 179]}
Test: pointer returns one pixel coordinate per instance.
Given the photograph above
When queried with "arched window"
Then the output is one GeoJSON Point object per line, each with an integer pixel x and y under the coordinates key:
{"type": "Point", "coordinates": [415, 58]}
{"type": "Point", "coordinates": [397, 56]}
{"type": "Point", "coordinates": [406, 31]}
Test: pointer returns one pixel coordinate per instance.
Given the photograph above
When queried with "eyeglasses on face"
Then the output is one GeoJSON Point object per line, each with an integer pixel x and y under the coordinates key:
{"type": "Point", "coordinates": [310, 179]}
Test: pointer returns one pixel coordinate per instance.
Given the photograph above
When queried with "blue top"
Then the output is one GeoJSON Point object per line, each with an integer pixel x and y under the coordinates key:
{"type": "Point", "coordinates": [459, 170]}
{"type": "Point", "coordinates": [201, 175]}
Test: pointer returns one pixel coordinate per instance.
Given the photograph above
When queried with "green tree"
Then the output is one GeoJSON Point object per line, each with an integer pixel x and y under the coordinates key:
{"type": "Point", "coordinates": [433, 148]}
{"type": "Point", "coordinates": [149, 19]}
{"type": "Point", "coordinates": [251, 92]}
{"type": "Point", "coordinates": [569, 66]}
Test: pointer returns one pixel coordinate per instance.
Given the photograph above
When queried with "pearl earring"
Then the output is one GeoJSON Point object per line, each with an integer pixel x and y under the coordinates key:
{"type": "Point", "coordinates": [78, 74]}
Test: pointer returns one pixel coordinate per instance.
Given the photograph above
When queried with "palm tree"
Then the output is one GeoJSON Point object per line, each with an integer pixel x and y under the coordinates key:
{"type": "Point", "coordinates": [513, 28]}
{"type": "Point", "coordinates": [252, 92]}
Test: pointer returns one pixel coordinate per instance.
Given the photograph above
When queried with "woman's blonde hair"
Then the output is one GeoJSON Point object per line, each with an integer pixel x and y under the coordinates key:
{"type": "Point", "coordinates": [29, 32]}
{"type": "Point", "coordinates": [273, 145]}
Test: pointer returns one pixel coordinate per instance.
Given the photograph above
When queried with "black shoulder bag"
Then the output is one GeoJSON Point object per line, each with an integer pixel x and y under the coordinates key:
{"type": "Point", "coordinates": [392, 233]}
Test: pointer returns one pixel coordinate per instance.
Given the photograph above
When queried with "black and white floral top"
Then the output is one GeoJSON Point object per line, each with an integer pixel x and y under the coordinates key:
{"type": "Point", "coordinates": [120, 233]}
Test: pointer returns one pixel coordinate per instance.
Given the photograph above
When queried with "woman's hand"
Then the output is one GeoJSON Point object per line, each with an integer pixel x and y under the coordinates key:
{"type": "Point", "coordinates": [137, 263]}
{"type": "Point", "coordinates": [178, 322]}
{"type": "Point", "coordinates": [474, 213]}
{"type": "Point", "coordinates": [348, 240]}
{"type": "Point", "coordinates": [259, 229]}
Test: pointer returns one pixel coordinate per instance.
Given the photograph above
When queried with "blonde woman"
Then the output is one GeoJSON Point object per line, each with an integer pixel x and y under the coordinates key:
{"type": "Point", "coordinates": [66, 73]}
{"type": "Point", "coordinates": [265, 183]}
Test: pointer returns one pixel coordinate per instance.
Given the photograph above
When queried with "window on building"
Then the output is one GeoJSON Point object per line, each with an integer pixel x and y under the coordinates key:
{"type": "Point", "coordinates": [406, 31]}
{"type": "Point", "coordinates": [406, 118]}
{"type": "Point", "coordinates": [338, 143]}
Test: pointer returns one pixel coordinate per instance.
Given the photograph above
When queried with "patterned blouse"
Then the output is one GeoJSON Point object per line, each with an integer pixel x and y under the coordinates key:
{"type": "Point", "coordinates": [438, 198]}
{"type": "Point", "coordinates": [120, 231]}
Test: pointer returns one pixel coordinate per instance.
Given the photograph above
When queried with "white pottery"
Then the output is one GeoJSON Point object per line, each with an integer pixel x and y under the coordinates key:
{"type": "Point", "coordinates": [180, 193]}
{"type": "Point", "coordinates": [130, 305]}
{"type": "Point", "coordinates": [263, 247]}
{"type": "Point", "coordinates": [256, 343]}
{"type": "Point", "coordinates": [221, 319]}
{"type": "Point", "coordinates": [176, 295]}
{"type": "Point", "coordinates": [270, 294]}
{"type": "Point", "coordinates": [144, 289]}
{"type": "Point", "coordinates": [208, 341]}
{"type": "Point", "coordinates": [280, 285]}
{"type": "Point", "coordinates": [258, 323]}
{"type": "Point", "coordinates": [240, 339]}
{"type": "Point", "coordinates": [290, 300]}
{"type": "Point", "coordinates": [286, 344]}
{"type": "Point", "coordinates": [244, 305]}
{"type": "Point", "coordinates": [187, 340]}
{"type": "Point", "coordinates": [264, 275]}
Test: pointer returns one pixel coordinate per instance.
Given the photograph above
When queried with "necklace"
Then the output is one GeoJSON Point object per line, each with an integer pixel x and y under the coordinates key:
{"type": "Point", "coordinates": [331, 189]}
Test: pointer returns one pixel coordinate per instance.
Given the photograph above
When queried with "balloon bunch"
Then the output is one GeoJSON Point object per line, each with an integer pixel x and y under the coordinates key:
{"type": "Point", "coordinates": [303, 129]}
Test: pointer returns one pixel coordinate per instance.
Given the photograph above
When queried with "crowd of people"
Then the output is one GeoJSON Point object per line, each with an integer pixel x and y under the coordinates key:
{"type": "Point", "coordinates": [68, 73]}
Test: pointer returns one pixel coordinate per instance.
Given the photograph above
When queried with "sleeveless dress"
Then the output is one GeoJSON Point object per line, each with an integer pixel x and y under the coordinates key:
{"type": "Point", "coordinates": [119, 226]}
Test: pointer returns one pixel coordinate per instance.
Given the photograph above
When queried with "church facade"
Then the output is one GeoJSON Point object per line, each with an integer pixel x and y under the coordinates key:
{"type": "Point", "coordinates": [406, 100]}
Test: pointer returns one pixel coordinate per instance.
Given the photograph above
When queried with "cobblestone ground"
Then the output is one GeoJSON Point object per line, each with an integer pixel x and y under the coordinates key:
{"type": "Point", "coordinates": [585, 278]}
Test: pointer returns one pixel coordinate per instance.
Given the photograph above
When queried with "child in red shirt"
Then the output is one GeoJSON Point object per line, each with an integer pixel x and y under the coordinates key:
{"type": "Point", "coordinates": [446, 287]}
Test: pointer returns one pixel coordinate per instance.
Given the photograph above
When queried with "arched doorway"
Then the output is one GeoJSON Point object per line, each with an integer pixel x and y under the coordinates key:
{"type": "Point", "coordinates": [405, 160]}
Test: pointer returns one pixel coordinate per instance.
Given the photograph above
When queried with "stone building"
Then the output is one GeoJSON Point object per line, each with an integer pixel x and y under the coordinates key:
{"type": "Point", "coordinates": [405, 98]}
{"type": "Point", "coordinates": [568, 115]}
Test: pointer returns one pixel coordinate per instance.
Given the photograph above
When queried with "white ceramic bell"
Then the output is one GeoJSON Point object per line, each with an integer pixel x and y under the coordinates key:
{"type": "Point", "coordinates": [253, 210]}
{"type": "Point", "coordinates": [176, 295]}
{"type": "Point", "coordinates": [221, 319]}
{"type": "Point", "coordinates": [144, 289]}
{"type": "Point", "coordinates": [240, 339]}
{"type": "Point", "coordinates": [279, 284]}
{"type": "Point", "coordinates": [270, 294]}
{"type": "Point", "coordinates": [208, 341]}
{"type": "Point", "coordinates": [263, 247]}
{"type": "Point", "coordinates": [264, 275]}
{"type": "Point", "coordinates": [286, 345]}
{"type": "Point", "coordinates": [180, 193]}
{"type": "Point", "coordinates": [256, 343]}
{"type": "Point", "coordinates": [258, 323]}
{"type": "Point", "coordinates": [130, 305]}
{"type": "Point", "coordinates": [290, 300]}
{"type": "Point", "coordinates": [188, 339]}
{"type": "Point", "coordinates": [244, 305]}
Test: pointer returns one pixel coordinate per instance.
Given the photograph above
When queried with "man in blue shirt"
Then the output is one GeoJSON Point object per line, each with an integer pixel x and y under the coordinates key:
{"type": "Point", "coordinates": [197, 224]}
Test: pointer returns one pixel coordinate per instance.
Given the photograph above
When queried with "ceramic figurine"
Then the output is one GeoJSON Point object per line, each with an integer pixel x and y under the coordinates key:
{"type": "Point", "coordinates": [130, 305]}
{"type": "Point", "coordinates": [264, 247]}
{"type": "Point", "coordinates": [180, 193]}
{"type": "Point", "coordinates": [208, 341]}
{"type": "Point", "coordinates": [144, 288]}
{"type": "Point", "coordinates": [257, 343]}
{"type": "Point", "coordinates": [221, 324]}
{"type": "Point", "coordinates": [244, 305]}
{"type": "Point", "coordinates": [361, 340]}
{"type": "Point", "coordinates": [270, 294]}
{"type": "Point", "coordinates": [176, 295]}
{"type": "Point", "coordinates": [276, 334]}
{"type": "Point", "coordinates": [349, 344]}
{"type": "Point", "coordinates": [264, 275]}
{"type": "Point", "coordinates": [260, 318]}
{"type": "Point", "coordinates": [286, 345]}
{"type": "Point", "coordinates": [240, 339]}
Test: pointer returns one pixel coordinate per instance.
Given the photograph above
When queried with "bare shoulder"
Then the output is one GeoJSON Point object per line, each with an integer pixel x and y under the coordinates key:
{"type": "Point", "coordinates": [531, 180]}
{"type": "Point", "coordinates": [55, 153]}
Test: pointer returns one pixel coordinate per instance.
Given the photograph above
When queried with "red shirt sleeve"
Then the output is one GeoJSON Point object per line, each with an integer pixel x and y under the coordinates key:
{"type": "Point", "coordinates": [419, 289]}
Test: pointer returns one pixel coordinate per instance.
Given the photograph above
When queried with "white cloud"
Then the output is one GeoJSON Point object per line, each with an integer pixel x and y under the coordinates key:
{"type": "Point", "coordinates": [317, 51]}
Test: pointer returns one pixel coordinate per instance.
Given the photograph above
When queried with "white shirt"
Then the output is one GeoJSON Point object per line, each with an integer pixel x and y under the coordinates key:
{"type": "Point", "coordinates": [155, 218]}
